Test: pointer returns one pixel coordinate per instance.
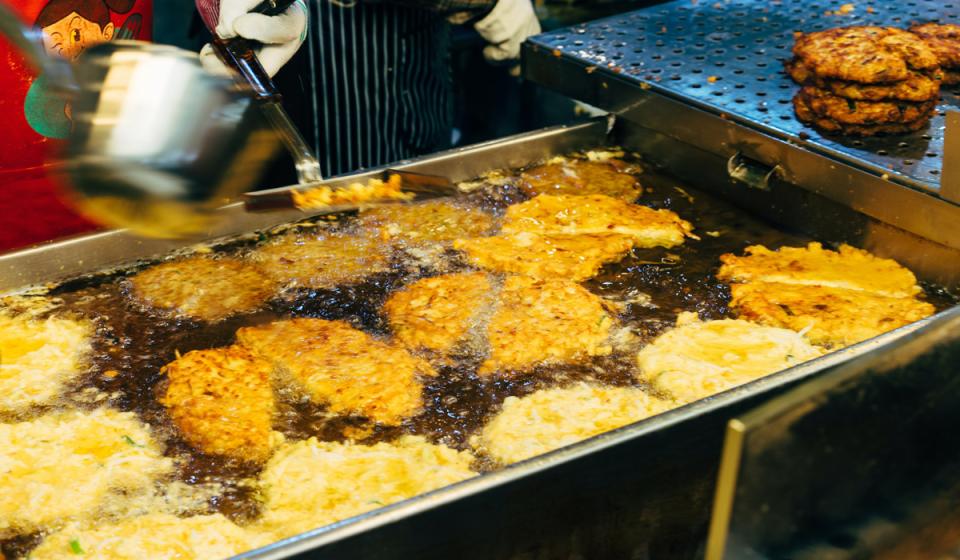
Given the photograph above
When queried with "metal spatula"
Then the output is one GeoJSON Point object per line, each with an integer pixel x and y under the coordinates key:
{"type": "Point", "coordinates": [239, 54]}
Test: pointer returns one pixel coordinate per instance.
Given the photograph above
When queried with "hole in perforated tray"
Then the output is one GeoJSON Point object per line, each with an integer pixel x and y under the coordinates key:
{"type": "Point", "coordinates": [881, 152]}
{"type": "Point", "coordinates": [932, 154]}
{"type": "Point", "coordinates": [934, 172]}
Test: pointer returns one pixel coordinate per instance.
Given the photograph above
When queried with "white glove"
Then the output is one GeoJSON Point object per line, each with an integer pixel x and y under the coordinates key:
{"type": "Point", "coordinates": [280, 35]}
{"type": "Point", "coordinates": [505, 28]}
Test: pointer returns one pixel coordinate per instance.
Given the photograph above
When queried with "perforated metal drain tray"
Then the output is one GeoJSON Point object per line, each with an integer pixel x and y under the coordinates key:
{"type": "Point", "coordinates": [726, 57]}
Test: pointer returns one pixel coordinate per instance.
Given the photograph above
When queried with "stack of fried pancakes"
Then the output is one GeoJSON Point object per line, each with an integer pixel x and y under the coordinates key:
{"type": "Point", "coordinates": [944, 40]}
{"type": "Point", "coordinates": [862, 81]}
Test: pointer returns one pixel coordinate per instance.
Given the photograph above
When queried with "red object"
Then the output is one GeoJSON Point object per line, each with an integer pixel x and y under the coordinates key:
{"type": "Point", "coordinates": [32, 207]}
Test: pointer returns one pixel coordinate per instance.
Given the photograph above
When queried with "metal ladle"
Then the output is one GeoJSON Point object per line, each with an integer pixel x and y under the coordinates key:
{"type": "Point", "coordinates": [157, 142]}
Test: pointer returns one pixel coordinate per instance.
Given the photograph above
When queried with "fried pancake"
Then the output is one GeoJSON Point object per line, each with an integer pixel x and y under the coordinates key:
{"type": "Point", "coordinates": [849, 268]}
{"type": "Point", "coordinates": [806, 115]}
{"type": "Point", "coordinates": [426, 222]}
{"type": "Point", "coordinates": [437, 313]}
{"type": "Point", "coordinates": [203, 288]}
{"type": "Point", "coordinates": [918, 87]}
{"type": "Point", "coordinates": [310, 484]}
{"type": "Point", "coordinates": [698, 359]}
{"type": "Point", "coordinates": [545, 321]}
{"type": "Point", "coordinates": [156, 536]}
{"type": "Point", "coordinates": [575, 257]}
{"type": "Point", "coordinates": [321, 260]}
{"type": "Point", "coordinates": [943, 39]}
{"type": "Point", "coordinates": [71, 465]}
{"type": "Point", "coordinates": [221, 400]}
{"type": "Point", "coordinates": [344, 368]}
{"type": "Point", "coordinates": [848, 111]}
{"type": "Point", "coordinates": [869, 55]}
{"type": "Point", "coordinates": [596, 215]}
{"type": "Point", "coordinates": [581, 177]}
{"type": "Point", "coordinates": [39, 359]}
{"type": "Point", "coordinates": [951, 77]}
{"type": "Point", "coordinates": [832, 317]}
{"type": "Point", "coordinates": [553, 418]}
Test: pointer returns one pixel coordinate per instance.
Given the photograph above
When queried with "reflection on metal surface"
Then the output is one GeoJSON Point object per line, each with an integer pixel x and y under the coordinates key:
{"type": "Point", "coordinates": [726, 58]}
{"type": "Point", "coordinates": [857, 463]}
{"type": "Point", "coordinates": [726, 487]}
{"type": "Point", "coordinates": [950, 187]}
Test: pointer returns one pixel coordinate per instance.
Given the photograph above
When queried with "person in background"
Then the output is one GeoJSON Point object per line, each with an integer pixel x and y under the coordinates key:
{"type": "Point", "coordinates": [371, 82]}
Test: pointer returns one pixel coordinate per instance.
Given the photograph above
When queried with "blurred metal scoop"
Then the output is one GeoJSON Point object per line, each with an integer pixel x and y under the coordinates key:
{"type": "Point", "coordinates": [157, 143]}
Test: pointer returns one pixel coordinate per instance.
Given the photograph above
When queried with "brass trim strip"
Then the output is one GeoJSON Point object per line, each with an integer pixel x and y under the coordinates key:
{"type": "Point", "coordinates": [726, 490]}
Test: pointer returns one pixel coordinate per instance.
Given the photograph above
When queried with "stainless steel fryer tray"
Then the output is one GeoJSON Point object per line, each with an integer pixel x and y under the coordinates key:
{"type": "Point", "coordinates": [727, 58]}
{"type": "Point", "coordinates": [643, 491]}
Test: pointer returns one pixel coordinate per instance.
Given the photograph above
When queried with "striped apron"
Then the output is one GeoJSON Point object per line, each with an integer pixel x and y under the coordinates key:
{"type": "Point", "coordinates": [374, 83]}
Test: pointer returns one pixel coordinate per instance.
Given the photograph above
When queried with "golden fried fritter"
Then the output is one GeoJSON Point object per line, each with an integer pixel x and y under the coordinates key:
{"type": "Point", "coordinates": [321, 260]}
{"type": "Point", "coordinates": [310, 484]}
{"type": "Point", "coordinates": [73, 465]}
{"type": "Point", "coordinates": [345, 368]}
{"type": "Point", "coordinates": [698, 359]}
{"type": "Point", "coordinates": [869, 55]}
{"type": "Point", "coordinates": [575, 257]}
{"type": "Point", "coordinates": [437, 313]}
{"type": "Point", "coordinates": [806, 115]}
{"type": "Point", "coordinates": [596, 215]}
{"type": "Point", "coordinates": [222, 402]}
{"type": "Point", "coordinates": [545, 321]}
{"type": "Point", "coordinates": [426, 222]}
{"type": "Point", "coordinates": [918, 87]}
{"type": "Point", "coordinates": [39, 358]}
{"type": "Point", "coordinates": [943, 39]}
{"type": "Point", "coordinates": [581, 178]}
{"type": "Point", "coordinates": [203, 288]}
{"type": "Point", "coordinates": [830, 317]}
{"type": "Point", "coordinates": [156, 536]}
{"type": "Point", "coordinates": [951, 77]}
{"type": "Point", "coordinates": [848, 111]}
{"type": "Point", "coordinates": [849, 268]}
{"type": "Point", "coordinates": [553, 418]}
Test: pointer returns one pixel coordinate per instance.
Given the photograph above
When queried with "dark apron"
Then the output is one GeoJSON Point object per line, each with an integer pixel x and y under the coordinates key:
{"type": "Point", "coordinates": [371, 84]}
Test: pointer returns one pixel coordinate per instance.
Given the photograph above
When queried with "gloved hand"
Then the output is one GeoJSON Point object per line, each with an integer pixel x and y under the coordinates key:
{"type": "Point", "coordinates": [281, 35]}
{"type": "Point", "coordinates": [505, 28]}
